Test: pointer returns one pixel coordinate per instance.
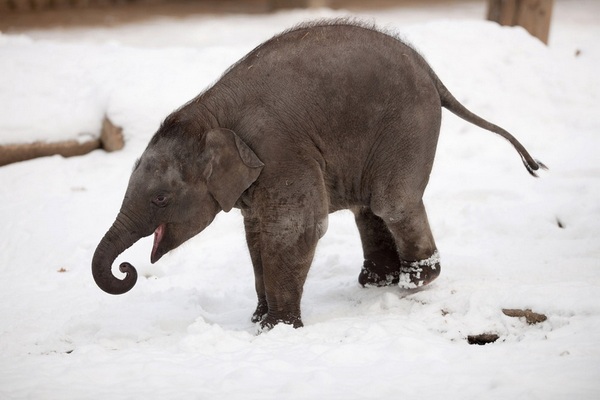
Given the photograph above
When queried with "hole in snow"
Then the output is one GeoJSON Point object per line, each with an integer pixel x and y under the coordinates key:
{"type": "Point", "coordinates": [482, 339]}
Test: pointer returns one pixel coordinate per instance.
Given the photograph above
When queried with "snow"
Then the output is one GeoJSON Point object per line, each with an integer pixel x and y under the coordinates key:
{"type": "Point", "coordinates": [184, 331]}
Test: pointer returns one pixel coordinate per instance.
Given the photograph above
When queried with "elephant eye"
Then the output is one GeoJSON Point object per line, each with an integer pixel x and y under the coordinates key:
{"type": "Point", "coordinates": [161, 200]}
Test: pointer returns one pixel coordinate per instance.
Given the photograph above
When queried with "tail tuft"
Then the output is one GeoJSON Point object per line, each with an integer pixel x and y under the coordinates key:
{"type": "Point", "coordinates": [533, 166]}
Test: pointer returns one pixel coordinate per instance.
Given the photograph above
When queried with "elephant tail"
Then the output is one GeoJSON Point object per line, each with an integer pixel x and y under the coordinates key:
{"type": "Point", "coordinates": [453, 105]}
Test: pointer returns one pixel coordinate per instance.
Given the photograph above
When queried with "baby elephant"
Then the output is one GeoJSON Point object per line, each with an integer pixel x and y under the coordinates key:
{"type": "Point", "coordinates": [326, 116]}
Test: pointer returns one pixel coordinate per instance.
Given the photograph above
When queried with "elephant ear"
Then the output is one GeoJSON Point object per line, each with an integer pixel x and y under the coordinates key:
{"type": "Point", "coordinates": [232, 166]}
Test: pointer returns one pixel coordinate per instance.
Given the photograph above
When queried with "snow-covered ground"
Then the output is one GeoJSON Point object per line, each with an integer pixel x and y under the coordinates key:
{"type": "Point", "coordinates": [184, 331]}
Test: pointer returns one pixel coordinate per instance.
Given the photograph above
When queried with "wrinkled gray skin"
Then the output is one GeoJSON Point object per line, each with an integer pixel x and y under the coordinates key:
{"type": "Point", "coordinates": [324, 117]}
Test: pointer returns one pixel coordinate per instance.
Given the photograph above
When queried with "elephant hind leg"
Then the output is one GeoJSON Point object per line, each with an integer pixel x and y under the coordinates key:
{"type": "Point", "coordinates": [381, 266]}
{"type": "Point", "coordinates": [399, 250]}
{"type": "Point", "coordinates": [420, 261]}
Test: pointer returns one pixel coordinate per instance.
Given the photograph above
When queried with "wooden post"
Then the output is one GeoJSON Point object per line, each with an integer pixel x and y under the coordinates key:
{"type": "Point", "coordinates": [280, 4]}
{"type": "Point", "coordinates": [533, 15]}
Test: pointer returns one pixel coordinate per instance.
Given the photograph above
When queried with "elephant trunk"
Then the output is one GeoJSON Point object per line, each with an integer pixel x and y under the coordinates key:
{"type": "Point", "coordinates": [118, 238]}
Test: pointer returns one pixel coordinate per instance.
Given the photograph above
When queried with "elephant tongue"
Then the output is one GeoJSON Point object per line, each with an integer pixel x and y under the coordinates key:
{"type": "Point", "coordinates": [158, 235]}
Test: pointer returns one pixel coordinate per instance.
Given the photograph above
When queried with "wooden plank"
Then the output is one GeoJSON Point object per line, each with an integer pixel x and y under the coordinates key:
{"type": "Point", "coordinates": [533, 15]}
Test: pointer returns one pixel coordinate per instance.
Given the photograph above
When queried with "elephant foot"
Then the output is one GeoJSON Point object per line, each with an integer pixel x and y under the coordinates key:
{"type": "Point", "coordinates": [262, 309]}
{"type": "Point", "coordinates": [373, 274]}
{"type": "Point", "coordinates": [382, 271]}
{"type": "Point", "coordinates": [415, 274]}
{"type": "Point", "coordinates": [380, 268]}
{"type": "Point", "coordinates": [268, 321]}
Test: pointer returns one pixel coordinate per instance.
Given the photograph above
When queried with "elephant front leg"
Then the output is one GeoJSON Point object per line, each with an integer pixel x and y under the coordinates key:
{"type": "Point", "coordinates": [286, 261]}
{"type": "Point", "coordinates": [293, 217]}
{"type": "Point", "coordinates": [281, 254]}
{"type": "Point", "coordinates": [252, 228]}
{"type": "Point", "coordinates": [288, 243]}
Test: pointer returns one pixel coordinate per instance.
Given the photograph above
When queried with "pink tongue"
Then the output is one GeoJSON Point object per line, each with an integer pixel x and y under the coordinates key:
{"type": "Point", "coordinates": [158, 235]}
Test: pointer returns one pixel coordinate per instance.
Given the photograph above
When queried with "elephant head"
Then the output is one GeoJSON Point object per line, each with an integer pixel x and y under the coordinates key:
{"type": "Point", "coordinates": [176, 189]}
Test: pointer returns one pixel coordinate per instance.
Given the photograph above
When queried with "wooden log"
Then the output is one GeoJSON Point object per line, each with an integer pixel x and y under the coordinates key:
{"type": "Point", "coordinates": [533, 15]}
{"type": "Point", "coordinates": [11, 153]}
{"type": "Point", "coordinates": [111, 139]}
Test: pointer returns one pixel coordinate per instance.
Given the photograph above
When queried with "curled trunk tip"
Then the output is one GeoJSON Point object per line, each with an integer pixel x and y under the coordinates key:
{"type": "Point", "coordinates": [106, 253]}
{"type": "Point", "coordinates": [104, 278]}
{"type": "Point", "coordinates": [113, 285]}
